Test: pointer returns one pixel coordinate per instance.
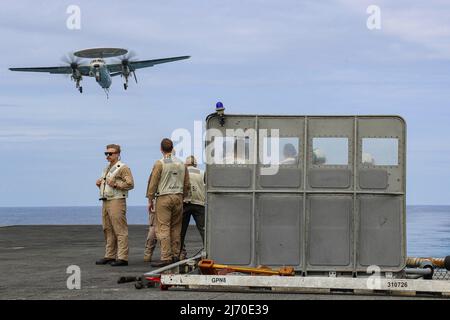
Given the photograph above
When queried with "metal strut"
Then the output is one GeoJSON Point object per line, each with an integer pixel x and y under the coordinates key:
{"type": "Point", "coordinates": [209, 267]}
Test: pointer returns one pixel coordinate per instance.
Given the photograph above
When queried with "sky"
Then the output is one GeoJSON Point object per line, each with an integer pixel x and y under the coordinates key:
{"type": "Point", "coordinates": [257, 57]}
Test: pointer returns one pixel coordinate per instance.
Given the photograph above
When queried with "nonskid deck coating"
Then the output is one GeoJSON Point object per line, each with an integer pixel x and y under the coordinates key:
{"type": "Point", "coordinates": [34, 260]}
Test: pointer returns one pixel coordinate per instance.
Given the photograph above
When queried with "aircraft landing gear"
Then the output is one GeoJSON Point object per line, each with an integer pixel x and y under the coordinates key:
{"type": "Point", "coordinates": [125, 84]}
{"type": "Point", "coordinates": [77, 85]}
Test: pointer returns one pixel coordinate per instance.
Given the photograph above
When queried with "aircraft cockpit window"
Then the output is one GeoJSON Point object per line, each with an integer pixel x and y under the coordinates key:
{"type": "Point", "coordinates": [330, 151]}
{"type": "Point", "coordinates": [379, 151]}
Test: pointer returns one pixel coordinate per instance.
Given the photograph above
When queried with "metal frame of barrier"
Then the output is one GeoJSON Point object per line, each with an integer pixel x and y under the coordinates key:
{"type": "Point", "coordinates": [316, 217]}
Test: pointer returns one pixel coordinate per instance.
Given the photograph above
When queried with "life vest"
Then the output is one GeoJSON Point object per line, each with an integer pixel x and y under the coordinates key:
{"type": "Point", "coordinates": [172, 176]}
{"type": "Point", "coordinates": [107, 192]}
{"type": "Point", "coordinates": [197, 191]}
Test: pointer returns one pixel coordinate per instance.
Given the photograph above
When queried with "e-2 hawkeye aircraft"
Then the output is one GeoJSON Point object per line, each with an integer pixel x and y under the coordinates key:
{"type": "Point", "coordinates": [98, 68]}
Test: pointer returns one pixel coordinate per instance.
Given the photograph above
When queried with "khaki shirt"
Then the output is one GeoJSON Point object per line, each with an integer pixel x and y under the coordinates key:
{"type": "Point", "coordinates": [197, 191]}
{"type": "Point", "coordinates": [155, 177]}
{"type": "Point", "coordinates": [123, 180]}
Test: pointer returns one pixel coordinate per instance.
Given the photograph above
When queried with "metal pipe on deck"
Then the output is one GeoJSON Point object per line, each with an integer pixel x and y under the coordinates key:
{"type": "Point", "coordinates": [443, 263]}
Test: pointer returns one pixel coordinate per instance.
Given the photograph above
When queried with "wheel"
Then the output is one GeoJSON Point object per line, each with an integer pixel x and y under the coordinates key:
{"type": "Point", "coordinates": [125, 86]}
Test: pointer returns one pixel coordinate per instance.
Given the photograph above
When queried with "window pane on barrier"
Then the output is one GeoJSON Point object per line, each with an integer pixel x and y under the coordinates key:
{"type": "Point", "coordinates": [232, 150]}
{"type": "Point", "coordinates": [280, 151]}
{"type": "Point", "coordinates": [218, 150]}
{"type": "Point", "coordinates": [242, 150]}
{"type": "Point", "coordinates": [330, 151]}
{"type": "Point", "coordinates": [380, 151]}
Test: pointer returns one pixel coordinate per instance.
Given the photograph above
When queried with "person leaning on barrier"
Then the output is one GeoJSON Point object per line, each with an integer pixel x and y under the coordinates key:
{"type": "Point", "coordinates": [170, 182]}
{"type": "Point", "coordinates": [114, 185]}
{"type": "Point", "coordinates": [194, 203]}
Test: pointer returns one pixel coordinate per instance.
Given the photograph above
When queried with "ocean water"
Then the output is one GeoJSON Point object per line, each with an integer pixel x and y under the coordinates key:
{"type": "Point", "coordinates": [428, 230]}
{"type": "Point", "coordinates": [428, 227]}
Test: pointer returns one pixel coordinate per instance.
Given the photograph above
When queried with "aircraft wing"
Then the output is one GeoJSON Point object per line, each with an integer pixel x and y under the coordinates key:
{"type": "Point", "coordinates": [55, 70]}
{"type": "Point", "coordinates": [134, 65]}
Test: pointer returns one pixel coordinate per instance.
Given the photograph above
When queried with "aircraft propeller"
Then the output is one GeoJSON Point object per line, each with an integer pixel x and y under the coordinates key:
{"type": "Point", "coordinates": [74, 62]}
{"type": "Point", "coordinates": [125, 60]}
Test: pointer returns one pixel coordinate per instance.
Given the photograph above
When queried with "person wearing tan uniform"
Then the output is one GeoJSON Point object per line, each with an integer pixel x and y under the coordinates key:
{"type": "Point", "coordinates": [151, 241]}
{"type": "Point", "coordinates": [194, 203]}
{"type": "Point", "coordinates": [114, 185]}
{"type": "Point", "coordinates": [168, 183]}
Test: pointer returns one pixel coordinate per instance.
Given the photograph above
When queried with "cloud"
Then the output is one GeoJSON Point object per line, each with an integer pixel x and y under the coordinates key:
{"type": "Point", "coordinates": [32, 134]}
{"type": "Point", "coordinates": [265, 57]}
{"type": "Point", "coordinates": [9, 105]}
{"type": "Point", "coordinates": [426, 24]}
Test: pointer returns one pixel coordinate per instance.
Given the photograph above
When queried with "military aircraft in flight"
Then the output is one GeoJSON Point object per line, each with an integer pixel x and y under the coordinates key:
{"type": "Point", "coordinates": [98, 68]}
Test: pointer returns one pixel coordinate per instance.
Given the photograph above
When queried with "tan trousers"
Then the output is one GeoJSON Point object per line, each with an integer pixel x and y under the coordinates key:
{"type": "Point", "coordinates": [151, 241]}
{"type": "Point", "coordinates": [169, 215]}
{"type": "Point", "coordinates": [115, 228]}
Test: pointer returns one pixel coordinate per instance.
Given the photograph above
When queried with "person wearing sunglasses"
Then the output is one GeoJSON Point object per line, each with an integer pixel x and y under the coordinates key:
{"type": "Point", "coordinates": [114, 185]}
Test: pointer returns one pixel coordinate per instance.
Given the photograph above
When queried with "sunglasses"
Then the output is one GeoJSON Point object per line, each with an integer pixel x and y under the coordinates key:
{"type": "Point", "coordinates": [109, 153]}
